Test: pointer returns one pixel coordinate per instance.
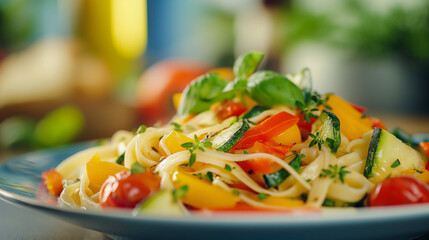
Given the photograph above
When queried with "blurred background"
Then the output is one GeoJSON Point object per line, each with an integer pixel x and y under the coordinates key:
{"type": "Point", "coordinates": [73, 70]}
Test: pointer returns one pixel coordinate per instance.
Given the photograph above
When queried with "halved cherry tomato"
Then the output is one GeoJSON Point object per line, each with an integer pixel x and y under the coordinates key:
{"type": "Point", "coordinates": [377, 123]}
{"type": "Point", "coordinates": [228, 109]}
{"type": "Point", "coordinates": [265, 131]}
{"type": "Point", "coordinates": [398, 191]}
{"type": "Point", "coordinates": [264, 165]}
{"type": "Point", "coordinates": [53, 181]}
{"type": "Point", "coordinates": [126, 190]}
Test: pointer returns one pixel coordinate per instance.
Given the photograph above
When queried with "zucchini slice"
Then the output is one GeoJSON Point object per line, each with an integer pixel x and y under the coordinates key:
{"type": "Point", "coordinates": [226, 139]}
{"type": "Point", "coordinates": [272, 180]}
{"type": "Point", "coordinates": [388, 157]}
{"type": "Point", "coordinates": [161, 203]}
{"type": "Point", "coordinates": [329, 127]}
{"type": "Point", "coordinates": [255, 111]}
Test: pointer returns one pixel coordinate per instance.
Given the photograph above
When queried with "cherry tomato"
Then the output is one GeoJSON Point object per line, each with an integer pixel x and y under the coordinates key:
{"type": "Point", "coordinates": [228, 109]}
{"type": "Point", "coordinates": [398, 191]}
{"type": "Point", "coordinates": [126, 190]}
{"type": "Point", "coordinates": [53, 181]}
{"type": "Point", "coordinates": [158, 84]}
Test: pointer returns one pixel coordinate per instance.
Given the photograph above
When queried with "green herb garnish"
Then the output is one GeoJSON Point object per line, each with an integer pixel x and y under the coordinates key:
{"type": "Point", "coordinates": [395, 163]}
{"type": "Point", "coordinates": [121, 158]}
{"type": "Point", "coordinates": [334, 171]}
{"type": "Point", "coordinates": [193, 146]}
{"type": "Point", "coordinates": [209, 176]}
{"type": "Point", "coordinates": [262, 196]}
{"type": "Point", "coordinates": [137, 168]}
{"type": "Point", "coordinates": [317, 139]}
{"type": "Point", "coordinates": [228, 168]}
{"type": "Point", "coordinates": [180, 192]}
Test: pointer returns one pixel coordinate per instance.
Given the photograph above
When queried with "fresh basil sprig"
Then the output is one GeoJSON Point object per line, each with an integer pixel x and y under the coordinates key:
{"type": "Point", "coordinates": [269, 88]}
{"type": "Point", "coordinates": [246, 64]}
{"type": "Point", "coordinates": [202, 93]}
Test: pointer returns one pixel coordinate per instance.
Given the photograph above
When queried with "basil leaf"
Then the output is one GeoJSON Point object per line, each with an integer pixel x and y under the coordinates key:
{"type": "Point", "coordinates": [269, 88]}
{"type": "Point", "coordinates": [247, 64]}
{"type": "Point", "coordinates": [202, 93]}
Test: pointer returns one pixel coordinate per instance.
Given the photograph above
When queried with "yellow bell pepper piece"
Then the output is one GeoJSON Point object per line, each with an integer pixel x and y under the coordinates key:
{"type": "Point", "coordinates": [280, 201]}
{"type": "Point", "coordinates": [422, 174]}
{"type": "Point", "coordinates": [176, 100]}
{"type": "Point", "coordinates": [98, 171]}
{"type": "Point", "coordinates": [174, 140]}
{"type": "Point", "coordinates": [203, 194]}
{"type": "Point", "coordinates": [352, 124]}
{"type": "Point", "coordinates": [289, 137]}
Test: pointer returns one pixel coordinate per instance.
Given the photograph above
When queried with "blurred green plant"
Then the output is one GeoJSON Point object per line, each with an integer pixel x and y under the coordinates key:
{"type": "Point", "coordinates": [401, 29]}
{"type": "Point", "coordinates": [17, 23]}
{"type": "Point", "coordinates": [59, 127]}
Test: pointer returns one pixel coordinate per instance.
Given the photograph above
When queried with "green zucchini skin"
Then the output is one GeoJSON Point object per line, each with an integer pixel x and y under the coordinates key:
{"type": "Point", "coordinates": [388, 157]}
{"type": "Point", "coordinates": [274, 179]}
{"type": "Point", "coordinates": [226, 139]}
{"type": "Point", "coordinates": [328, 125]}
{"type": "Point", "coordinates": [372, 150]}
{"type": "Point", "coordinates": [255, 111]}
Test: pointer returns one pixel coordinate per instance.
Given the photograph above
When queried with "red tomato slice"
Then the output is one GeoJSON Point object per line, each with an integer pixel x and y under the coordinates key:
{"type": "Point", "coordinates": [264, 165]}
{"type": "Point", "coordinates": [377, 123]}
{"type": "Point", "coordinates": [126, 190]}
{"type": "Point", "coordinates": [304, 126]}
{"type": "Point", "coordinates": [53, 181]}
{"type": "Point", "coordinates": [398, 191]}
{"type": "Point", "coordinates": [265, 131]}
{"type": "Point", "coordinates": [228, 109]}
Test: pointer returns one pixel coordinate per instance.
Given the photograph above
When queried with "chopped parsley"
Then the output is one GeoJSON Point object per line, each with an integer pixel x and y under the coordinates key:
{"type": "Point", "coordinates": [209, 176]}
{"type": "Point", "coordinates": [235, 192]}
{"type": "Point", "coordinates": [228, 168]}
{"type": "Point", "coordinates": [177, 127]}
{"type": "Point", "coordinates": [180, 192]}
{"type": "Point", "coordinates": [308, 108]}
{"type": "Point", "coordinates": [395, 163]}
{"type": "Point", "coordinates": [137, 168]}
{"type": "Point", "coordinates": [245, 152]}
{"type": "Point", "coordinates": [141, 129]}
{"type": "Point", "coordinates": [262, 196]}
{"type": "Point", "coordinates": [121, 158]}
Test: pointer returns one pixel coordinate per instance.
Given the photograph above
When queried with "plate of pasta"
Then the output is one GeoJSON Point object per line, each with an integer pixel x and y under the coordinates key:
{"type": "Point", "coordinates": [262, 155]}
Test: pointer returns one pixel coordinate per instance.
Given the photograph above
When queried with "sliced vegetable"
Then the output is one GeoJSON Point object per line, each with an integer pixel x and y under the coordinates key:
{"type": "Point", "coordinates": [53, 181]}
{"type": "Point", "coordinates": [126, 190]}
{"type": "Point", "coordinates": [270, 88]}
{"type": "Point", "coordinates": [383, 151]}
{"type": "Point", "coordinates": [174, 141]}
{"type": "Point", "coordinates": [274, 179]}
{"type": "Point", "coordinates": [264, 165]}
{"type": "Point", "coordinates": [160, 203]}
{"type": "Point", "coordinates": [255, 111]}
{"type": "Point", "coordinates": [228, 109]}
{"type": "Point", "coordinates": [203, 194]}
{"type": "Point", "coordinates": [329, 127]}
{"type": "Point", "coordinates": [289, 137]}
{"type": "Point", "coordinates": [226, 139]}
{"type": "Point", "coordinates": [98, 171]}
{"type": "Point", "coordinates": [398, 191]}
{"type": "Point", "coordinates": [266, 130]}
{"type": "Point", "coordinates": [353, 125]}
